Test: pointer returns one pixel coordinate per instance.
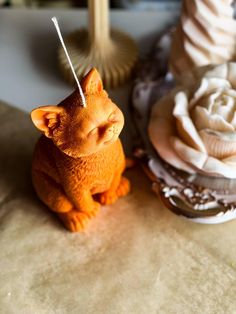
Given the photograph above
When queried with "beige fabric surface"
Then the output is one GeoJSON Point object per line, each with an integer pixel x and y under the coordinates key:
{"type": "Point", "coordinates": [135, 257]}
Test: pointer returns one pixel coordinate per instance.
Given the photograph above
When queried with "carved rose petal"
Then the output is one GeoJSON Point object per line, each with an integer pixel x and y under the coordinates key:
{"type": "Point", "coordinates": [188, 154]}
{"type": "Point", "coordinates": [205, 120]}
{"type": "Point", "coordinates": [221, 71]}
{"type": "Point", "coordinates": [224, 106]}
{"type": "Point", "coordinates": [231, 161]}
{"type": "Point", "coordinates": [215, 166]}
{"type": "Point", "coordinates": [185, 126]}
{"type": "Point", "coordinates": [219, 145]}
{"type": "Point", "coordinates": [226, 71]}
{"type": "Point", "coordinates": [233, 121]}
{"type": "Point", "coordinates": [208, 86]}
{"type": "Point", "coordinates": [231, 77]}
{"type": "Point", "coordinates": [202, 162]}
{"type": "Point", "coordinates": [161, 128]}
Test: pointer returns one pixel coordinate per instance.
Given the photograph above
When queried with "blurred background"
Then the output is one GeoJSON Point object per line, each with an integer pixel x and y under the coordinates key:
{"type": "Point", "coordinates": [121, 4]}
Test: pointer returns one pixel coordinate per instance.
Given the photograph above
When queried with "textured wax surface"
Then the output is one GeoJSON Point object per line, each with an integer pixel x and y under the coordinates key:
{"type": "Point", "coordinates": [135, 256]}
{"type": "Point", "coordinates": [79, 160]}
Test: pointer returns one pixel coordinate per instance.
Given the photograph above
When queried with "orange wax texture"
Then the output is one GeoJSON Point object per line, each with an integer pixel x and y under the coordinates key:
{"type": "Point", "coordinates": [79, 160]}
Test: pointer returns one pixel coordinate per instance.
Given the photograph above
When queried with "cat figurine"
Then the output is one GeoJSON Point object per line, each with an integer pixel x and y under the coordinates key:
{"type": "Point", "coordinates": [79, 160]}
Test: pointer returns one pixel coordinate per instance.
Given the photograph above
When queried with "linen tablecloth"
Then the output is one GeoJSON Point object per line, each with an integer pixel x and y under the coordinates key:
{"type": "Point", "coordinates": [135, 256]}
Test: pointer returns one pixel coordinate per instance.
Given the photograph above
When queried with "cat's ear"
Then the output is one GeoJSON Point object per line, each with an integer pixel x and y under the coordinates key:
{"type": "Point", "coordinates": [92, 82]}
{"type": "Point", "coordinates": [47, 118]}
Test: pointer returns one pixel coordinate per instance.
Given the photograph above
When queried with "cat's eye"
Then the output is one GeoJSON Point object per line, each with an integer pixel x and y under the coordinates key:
{"type": "Point", "coordinates": [93, 131]}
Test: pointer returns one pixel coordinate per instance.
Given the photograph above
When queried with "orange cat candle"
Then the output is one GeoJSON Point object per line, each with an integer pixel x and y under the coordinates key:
{"type": "Point", "coordinates": [79, 160]}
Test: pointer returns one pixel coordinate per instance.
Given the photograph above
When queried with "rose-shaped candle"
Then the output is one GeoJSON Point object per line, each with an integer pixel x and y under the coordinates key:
{"type": "Point", "coordinates": [194, 127]}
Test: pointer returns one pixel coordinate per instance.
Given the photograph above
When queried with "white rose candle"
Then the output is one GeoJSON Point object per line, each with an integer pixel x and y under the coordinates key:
{"type": "Point", "coordinates": [194, 127]}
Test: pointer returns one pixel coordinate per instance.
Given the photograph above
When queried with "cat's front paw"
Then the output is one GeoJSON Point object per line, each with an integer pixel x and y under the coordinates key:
{"type": "Point", "coordinates": [123, 188]}
{"type": "Point", "coordinates": [74, 220]}
{"type": "Point", "coordinates": [92, 212]}
{"type": "Point", "coordinates": [107, 198]}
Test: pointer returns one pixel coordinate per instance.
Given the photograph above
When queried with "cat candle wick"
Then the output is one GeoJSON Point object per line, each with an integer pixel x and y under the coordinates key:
{"type": "Point", "coordinates": [54, 19]}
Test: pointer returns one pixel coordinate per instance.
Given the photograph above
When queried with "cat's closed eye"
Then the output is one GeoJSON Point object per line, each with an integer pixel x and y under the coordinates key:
{"type": "Point", "coordinates": [113, 117]}
{"type": "Point", "coordinates": [93, 131]}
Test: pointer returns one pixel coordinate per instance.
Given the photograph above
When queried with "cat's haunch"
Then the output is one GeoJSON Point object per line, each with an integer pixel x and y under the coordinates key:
{"type": "Point", "coordinates": [79, 160]}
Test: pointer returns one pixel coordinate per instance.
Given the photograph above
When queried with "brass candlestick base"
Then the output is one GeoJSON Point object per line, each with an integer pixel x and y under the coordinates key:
{"type": "Point", "coordinates": [114, 58]}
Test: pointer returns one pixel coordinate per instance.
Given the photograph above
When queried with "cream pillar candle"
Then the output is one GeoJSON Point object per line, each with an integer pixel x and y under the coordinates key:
{"type": "Point", "coordinates": [206, 34]}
